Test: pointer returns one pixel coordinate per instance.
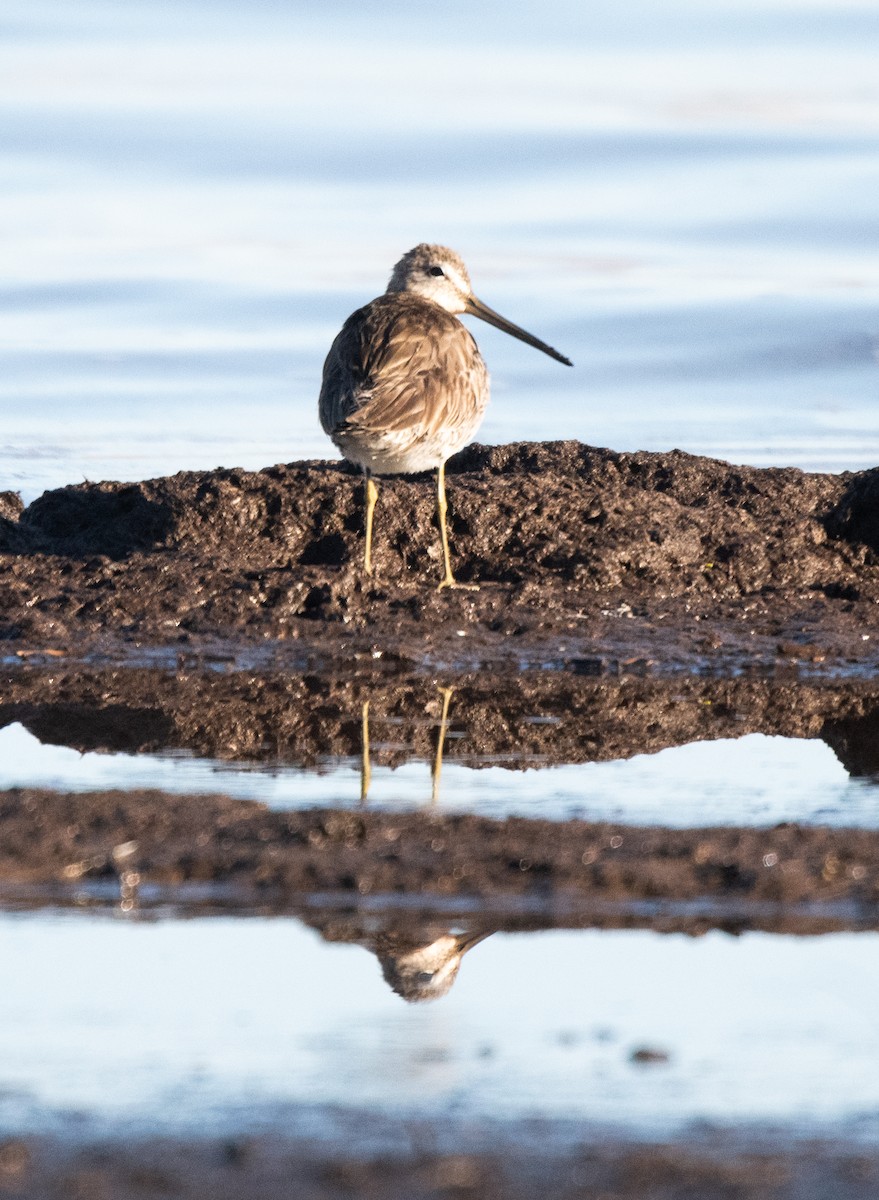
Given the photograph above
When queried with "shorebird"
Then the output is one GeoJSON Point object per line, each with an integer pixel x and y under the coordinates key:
{"type": "Point", "coordinates": [404, 385]}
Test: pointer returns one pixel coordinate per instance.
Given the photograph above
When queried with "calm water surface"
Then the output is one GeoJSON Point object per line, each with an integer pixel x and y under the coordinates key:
{"type": "Point", "coordinates": [753, 780]}
{"type": "Point", "coordinates": [195, 195]}
{"type": "Point", "coordinates": [230, 1024]}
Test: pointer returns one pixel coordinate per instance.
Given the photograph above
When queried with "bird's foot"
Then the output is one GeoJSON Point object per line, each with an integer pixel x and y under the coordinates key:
{"type": "Point", "coordinates": [451, 582]}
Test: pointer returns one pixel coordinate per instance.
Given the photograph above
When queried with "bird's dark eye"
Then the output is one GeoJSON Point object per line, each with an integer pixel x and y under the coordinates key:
{"type": "Point", "coordinates": [437, 271]}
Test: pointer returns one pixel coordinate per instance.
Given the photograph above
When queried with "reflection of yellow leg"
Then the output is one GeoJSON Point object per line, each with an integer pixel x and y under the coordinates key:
{"type": "Point", "coordinates": [440, 743]}
{"type": "Point", "coordinates": [371, 497]}
{"type": "Point", "coordinates": [365, 765]}
{"type": "Point", "coordinates": [448, 579]}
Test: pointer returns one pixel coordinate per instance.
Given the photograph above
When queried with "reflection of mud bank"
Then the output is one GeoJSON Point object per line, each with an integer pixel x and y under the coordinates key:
{"type": "Point", "coordinates": [515, 720]}
{"type": "Point", "coordinates": [140, 838]}
{"type": "Point", "coordinates": [659, 555]}
{"type": "Point", "coordinates": [422, 1163]}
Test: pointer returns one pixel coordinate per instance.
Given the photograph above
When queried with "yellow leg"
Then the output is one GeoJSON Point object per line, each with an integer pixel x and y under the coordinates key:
{"type": "Point", "coordinates": [365, 765]}
{"type": "Point", "coordinates": [371, 497]}
{"type": "Point", "coordinates": [442, 507]}
{"type": "Point", "coordinates": [440, 743]}
{"type": "Point", "coordinates": [448, 579]}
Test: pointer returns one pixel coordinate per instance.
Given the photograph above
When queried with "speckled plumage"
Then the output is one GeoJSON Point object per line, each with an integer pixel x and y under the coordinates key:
{"type": "Point", "coordinates": [404, 385]}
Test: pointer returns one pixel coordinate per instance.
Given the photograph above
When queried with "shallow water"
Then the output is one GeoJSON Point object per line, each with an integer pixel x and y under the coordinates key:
{"type": "Point", "coordinates": [218, 1025]}
{"type": "Point", "coordinates": [227, 1025]}
{"type": "Point", "coordinates": [753, 780]}
{"type": "Point", "coordinates": [681, 199]}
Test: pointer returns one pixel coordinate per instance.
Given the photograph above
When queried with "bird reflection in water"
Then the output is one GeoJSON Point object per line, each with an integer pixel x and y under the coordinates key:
{"type": "Point", "coordinates": [419, 969]}
{"type": "Point", "coordinates": [419, 957]}
{"type": "Point", "coordinates": [419, 962]}
{"type": "Point", "coordinates": [437, 766]}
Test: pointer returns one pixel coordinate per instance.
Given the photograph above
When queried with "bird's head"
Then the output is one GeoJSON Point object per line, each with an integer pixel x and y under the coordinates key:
{"type": "Point", "coordinates": [427, 971]}
{"type": "Point", "coordinates": [437, 273]}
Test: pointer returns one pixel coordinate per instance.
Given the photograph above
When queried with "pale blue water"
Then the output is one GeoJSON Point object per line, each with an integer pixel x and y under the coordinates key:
{"type": "Point", "coordinates": [193, 196]}
{"type": "Point", "coordinates": [753, 780]}
{"type": "Point", "coordinates": [223, 1025]}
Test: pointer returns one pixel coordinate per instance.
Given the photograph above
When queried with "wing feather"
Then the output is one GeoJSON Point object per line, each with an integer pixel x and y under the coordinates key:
{"type": "Point", "coordinates": [401, 365]}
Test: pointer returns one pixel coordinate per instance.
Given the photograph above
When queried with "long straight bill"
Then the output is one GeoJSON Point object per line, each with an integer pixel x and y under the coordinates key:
{"type": "Point", "coordinates": [477, 309]}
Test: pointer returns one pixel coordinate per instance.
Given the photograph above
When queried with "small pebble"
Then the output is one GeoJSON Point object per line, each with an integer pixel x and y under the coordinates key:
{"type": "Point", "coordinates": [648, 1055]}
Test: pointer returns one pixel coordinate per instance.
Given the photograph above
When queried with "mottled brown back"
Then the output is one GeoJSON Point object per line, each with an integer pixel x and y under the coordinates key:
{"type": "Point", "coordinates": [399, 364]}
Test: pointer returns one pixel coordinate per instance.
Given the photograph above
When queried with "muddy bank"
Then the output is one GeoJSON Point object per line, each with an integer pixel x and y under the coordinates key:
{"type": "Point", "coordinates": [666, 556]}
{"type": "Point", "coordinates": [140, 838]}
{"type": "Point", "coordinates": [727, 1166]}
{"type": "Point", "coordinates": [511, 719]}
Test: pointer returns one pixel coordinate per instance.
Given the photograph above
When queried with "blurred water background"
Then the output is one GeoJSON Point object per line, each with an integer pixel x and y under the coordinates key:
{"type": "Point", "coordinates": [194, 195]}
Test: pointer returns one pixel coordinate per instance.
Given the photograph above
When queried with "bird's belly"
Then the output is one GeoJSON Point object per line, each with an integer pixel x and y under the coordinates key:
{"type": "Point", "coordinates": [420, 401]}
{"type": "Point", "coordinates": [405, 451]}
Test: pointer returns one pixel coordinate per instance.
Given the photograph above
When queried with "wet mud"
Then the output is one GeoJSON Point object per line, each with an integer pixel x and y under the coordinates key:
{"type": "Point", "coordinates": [668, 558]}
{"type": "Point", "coordinates": [722, 1166]}
{"type": "Point", "coordinates": [627, 603]}
{"type": "Point", "coordinates": [786, 877]}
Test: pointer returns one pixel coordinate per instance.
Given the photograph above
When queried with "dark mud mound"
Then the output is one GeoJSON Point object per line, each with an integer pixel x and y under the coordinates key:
{"type": "Point", "coordinates": [856, 517]}
{"type": "Point", "coordinates": [109, 519]}
{"type": "Point", "coordinates": [494, 1163]}
{"type": "Point", "coordinates": [584, 515]}
{"type": "Point", "coordinates": [561, 538]}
